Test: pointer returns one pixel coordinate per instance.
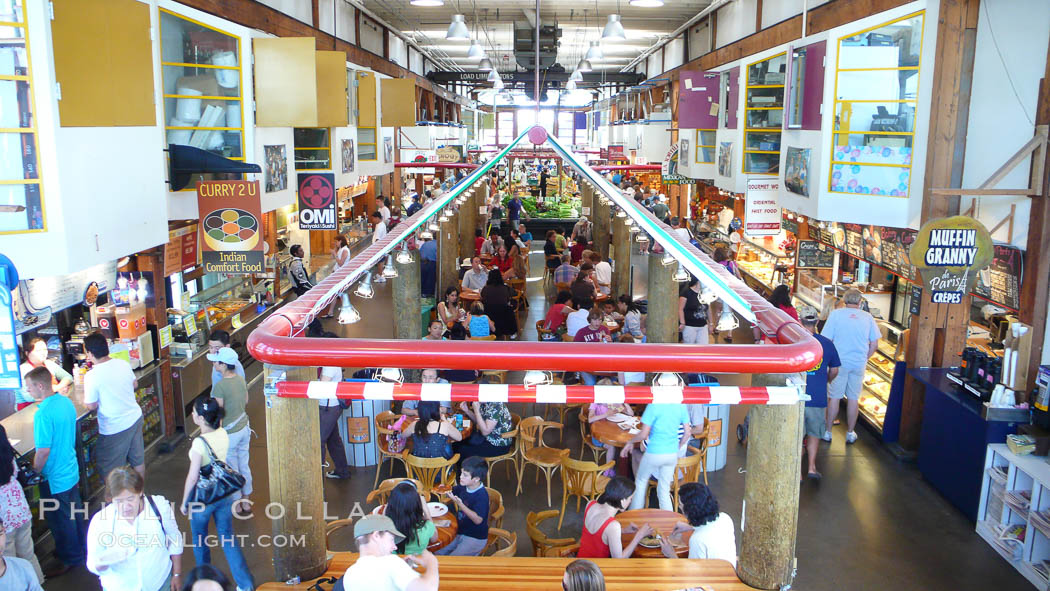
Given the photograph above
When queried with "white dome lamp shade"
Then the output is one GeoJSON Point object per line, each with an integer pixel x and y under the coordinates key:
{"type": "Point", "coordinates": [485, 65]}
{"type": "Point", "coordinates": [727, 319]}
{"type": "Point", "coordinates": [457, 30]}
{"type": "Point", "coordinates": [576, 76]}
{"type": "Point", "coordinates": [498, 84]}
{"type": "Point", "coordinates": [493, 76]}
{"type": "Point", "coordinates": [570, 85]}
{"type": "Point", "coordinates": [389, 271]}
{"type": "Point", "coordinates": [364, 288]}
{"type": "Point", "coordinates": [613, 29]}
{"type": "Point", "coordinates": [475, 51]}
{"type": "Point", "coordinates": [348, 314]}
{"type": "Point", "coordinates": [584, 66]}
{"type": "Point", "coordinates": [594, 52]}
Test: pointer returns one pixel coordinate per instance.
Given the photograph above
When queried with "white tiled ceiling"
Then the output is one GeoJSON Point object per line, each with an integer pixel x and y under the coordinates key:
{"type": "Point", "coordinates": [580, 23]}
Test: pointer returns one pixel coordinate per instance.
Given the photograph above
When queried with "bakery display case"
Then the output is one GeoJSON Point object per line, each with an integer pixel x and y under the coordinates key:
{"type": "Point", "coordinates": [224, 300]}
{"type": "Point", "coordinates": [877, 392]}
{"type": "Point", "coordinates": [764, 267]}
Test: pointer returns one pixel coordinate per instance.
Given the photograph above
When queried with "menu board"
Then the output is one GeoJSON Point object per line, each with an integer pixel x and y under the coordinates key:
{"type": "Point", "coordinates": [916, 298]}
{"type": "Point", "coordinates": [854, 240]}
{"type": "Point", "coordinates": [1001, 281]}
{"type": "Point", "coordinates": [827, 234]}
{"type": "Point", "coordinates": [62, 291]}
{"type": "Point", "coordinates": [791, 225]}
{"type": "Point", "coordinates": [814, 255]}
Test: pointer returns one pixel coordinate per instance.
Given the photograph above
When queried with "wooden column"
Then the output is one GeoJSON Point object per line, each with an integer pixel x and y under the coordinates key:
{"type": "Point", "coordinates": [293, 449]}
{"type": "Point", "coordinates": [157, 316]}
{"type": "Point", "coordinates": [621, 249]}
{"type": "Point", "coordinates": [938, 331]}
{"type": "Point", "coordinates": [771, 488]}
{"type": "Point", "coordinates": [482, 200]}
{"type": "Point", "coordinates": [408, 309]}
{"type": "Point", "coordinates": [601, 228]}
{"type": "Point", "coordinates": [662, 319]}
{"type": "Point", "coordinates": [586, 199]}
{"type": "Point", "coordinates": [448, 248]}
{"type": "Point", "coordinates": [468, 216]}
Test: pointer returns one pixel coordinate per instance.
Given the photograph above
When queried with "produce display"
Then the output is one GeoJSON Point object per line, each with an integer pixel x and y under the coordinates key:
{"type": "Point", "coordinates": [561, 207]}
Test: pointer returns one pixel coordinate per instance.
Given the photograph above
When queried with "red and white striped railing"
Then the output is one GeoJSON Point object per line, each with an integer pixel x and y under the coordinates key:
{"type": "Point", "coordinates": [552, 393]}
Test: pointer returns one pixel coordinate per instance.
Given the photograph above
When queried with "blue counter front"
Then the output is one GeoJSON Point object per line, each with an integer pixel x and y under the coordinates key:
{"type": "Point", "coordinates": [954, 439]}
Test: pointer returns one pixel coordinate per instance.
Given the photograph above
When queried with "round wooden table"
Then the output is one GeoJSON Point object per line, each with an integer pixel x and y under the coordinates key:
{"type": "Point", "coordinates": [610, 433]}
{"type": "Point", "coordinates": [446, 532]}
{"type": "Point", "coordinates": [470, 295]}
{"type": "Point", "coordinates": [662, 522]}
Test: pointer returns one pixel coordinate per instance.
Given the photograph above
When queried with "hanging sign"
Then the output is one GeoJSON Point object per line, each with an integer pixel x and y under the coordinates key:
{"type": "Point", "coordinates": [762, 209]}
{"type": "Point", "coordinates": [450, 154]}
{"type": "Point", "coordinates": [949, 253]}
{"type": "Point", "coordinates": [317, 201]}
{"type": "Point", "coordinates": [165, 336]}
{"type": "Point", "coordinates": [231, 230]}
{"type": "Point", "coordinates": [180, 253]}
{"type": "Point", "coordinates": [10, 375]}
{"type": "Point", "coordinates": [62, 291]}
{"type": "Point", "coordinates": [815, 255]}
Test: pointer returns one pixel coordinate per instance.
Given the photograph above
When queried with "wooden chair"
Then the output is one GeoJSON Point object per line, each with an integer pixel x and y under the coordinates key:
{"type": "Point", "coordinates": [334, 526]}
{"type": "Point", "coordinates": [540, 331]}
{"type": "Point", "coordinates": [518, 285]}
{"type": "Point", "coordinates": [500, 537]}
{"type": "Point", "coordinates": [431, 471]}
{"type": "Point", "coordinates": [383, 421]}
{"type": "Point", "coordinates": [495, 375]}
{"type": "Point", "coordinates": [586, 441]}
{"type": "Point", "coordinates": [548, 271]}
{"type": "Point", "coordinates": [496, 507]}
{"type": "Point", "coordinates": [702, 433]}
{"type": "Point", "coordinates": [533, 451]}
{"type": "Point", "coordinates": [512, 455]}
{"type": "Point", "coordinates": [540, 542]}
{"type": "Point", "coordinates": [687, 469]}
{"type": "Point", "coordinates": [491, 337]}
{"type": "Point", "coordinates": [381, 494]}
{"type": "Point", "coordinates": [562, 286]}
{"type": "Point", "coordinates": [583, 480]}
{"type": "Point", "coordinates": [561, 409]}
{"type": "Point", "coordinates": [563, 551]}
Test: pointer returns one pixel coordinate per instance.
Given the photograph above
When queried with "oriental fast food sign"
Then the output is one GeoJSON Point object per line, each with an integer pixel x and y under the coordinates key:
{"type": "Point", "coordinates": [949, 253]}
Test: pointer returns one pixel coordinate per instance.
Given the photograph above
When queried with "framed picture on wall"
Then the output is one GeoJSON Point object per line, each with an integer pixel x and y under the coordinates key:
{"type": "Point", "coordinates": [725, 159]}
{"type": "Point", "coordinates": [276, 168]}
{"type": "Point", "coordinates": [348, 156]}
{"type": "Point", "coordinates": [388, 150]}
{"type": "Point", "coordinates": [796, 172]}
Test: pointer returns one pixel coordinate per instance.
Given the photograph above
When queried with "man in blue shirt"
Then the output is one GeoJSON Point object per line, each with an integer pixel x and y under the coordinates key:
{"type": "Point", "coordinates": [817, 381]}
{"type": "Point", "coordinates": [217, 340]}
{"type": "Point", "coordinates": [415, 206]}
{"type": "Point", "coordinates": [428, 268]}
{"type": "Point", "coordinates": [54, 436]}
{"type": "Point", "coordinates": [514, 211]}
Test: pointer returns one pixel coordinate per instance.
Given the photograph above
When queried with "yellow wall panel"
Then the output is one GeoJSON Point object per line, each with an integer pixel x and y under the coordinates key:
{"type": "Point", "coordinates": [104, 63]}
{"type": "Point", "coordinates": [399, 102]}
{"type": "Point", "coordinates": [331, 89]}
{"type": "Point", "coordinates": [366, 99]}
{"type": "Point", "coordinates": [285, 82]}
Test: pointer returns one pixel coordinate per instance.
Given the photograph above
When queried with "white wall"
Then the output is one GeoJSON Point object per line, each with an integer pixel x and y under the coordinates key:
{"type": "Point", "coordinates": [398, 51]}
{"type": "Point", "coordinates": [416, 62]}
{"type": "Point", "coordinates": [297, 9]}
{"type": "Point", "coordinates": [999, 122]}
{"type": "Point", "coordinates": [339, 12]}
{"type": "Point", "coordinates": [338, 135]}
{"type": "Point", "coordinates": [736, 20]}
{"type": "Point", "coordinates": [781, 10]}
{"type": "Point", "coordinates": [673, 53]}
{"type": "Point", "coordinates": [699, 39]}
{"type": "Point", "coordinates": [655, 140]}
{"type": "Point", "coordinates": [653, 65]}
{"type": "Point", "coordinates": [371, 35]}
{"type": "Point", "coordinates": [269, 136]}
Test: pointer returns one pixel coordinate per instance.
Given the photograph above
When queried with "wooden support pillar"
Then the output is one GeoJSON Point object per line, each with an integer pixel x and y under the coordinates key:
{"type": "Point", "coordinates": [662, 319]}
{"type": "Point", "coordinates": [448, 247]}
{"type": "Point", "coordinates": [293, 452]}
{"type": "Point", "coordinates": [586, 199]}
{"type": "Point", "coordinates": [938, 331]}
{"type": "Point", "coordinates": [407, 305]}
{"type": "Point", "coordinates": [482, 200]}
{"type": "Point", "coordinates": [621, 249]}
{"type": "Point", "coordinates": [600, 231]}
{"type": "Point", "coordinates": [771, 488]}
{"type": "Point", "coordinates": [468, 215]}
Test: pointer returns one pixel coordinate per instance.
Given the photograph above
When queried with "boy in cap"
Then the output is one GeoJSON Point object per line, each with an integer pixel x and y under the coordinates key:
{"type": "Point", "coordinates": [817, 380]}
{"type": "Point", "coordinates": [378, 568]}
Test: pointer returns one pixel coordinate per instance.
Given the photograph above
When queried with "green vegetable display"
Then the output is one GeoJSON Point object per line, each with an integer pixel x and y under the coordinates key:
{"type": "Point", "coordinates": [565, 207]}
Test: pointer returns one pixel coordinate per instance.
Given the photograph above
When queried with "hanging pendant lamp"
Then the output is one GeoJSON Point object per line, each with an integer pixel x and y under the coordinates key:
{"type": "Point", "coordinates": [493, 76]}
{"type": "Point", "coordinates": [458, 31]}
{"type": "Point", "coordinates": [576, 76]}
{"type": "Point", "coordinates": [613, 29]}
{"type": "Point", "coordinates": [584, 66]}
{"type": "Point", "coordinates": [485, 65]}
{"type": "Point", "coordinates": [476, 51]}
{"type": "Point", "coordinates": [594, 52]}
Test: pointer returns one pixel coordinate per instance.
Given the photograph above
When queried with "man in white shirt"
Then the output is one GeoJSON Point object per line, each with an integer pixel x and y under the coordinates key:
{"type": "Point", "coordinates": [476, 276]}
{"type": "Point", "coordinates": [377, 567]}
{"type": "Point", "coordinates": [856, 336]}
{"type": "Point", "coordinates": [578, 319]}
{"type": "Point", "coordinates": [110, 388]}
{"type": "Point", "coordinates": [383, 209]}
{"type": "Point", "coordinates": [378, 233]}
{"type": "Point", "coordinates": [602, 273]}
{"type": "Point", "coordinates": [330, 412]}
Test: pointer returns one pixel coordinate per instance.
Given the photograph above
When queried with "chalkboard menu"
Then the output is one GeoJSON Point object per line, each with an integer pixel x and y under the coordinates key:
{"type": "Point", "coordinates": [1001, 281]}
{"type": "Point", "coordinates": [827, 234]}
{"type": "Point", "coordinates": [854, 240]}
{"type": "Point", "coordinates": [789, 225]}
{"type": "Point", "coordinates": [916, 298]}
{"type": "Point", "coordinates": [814, 255]}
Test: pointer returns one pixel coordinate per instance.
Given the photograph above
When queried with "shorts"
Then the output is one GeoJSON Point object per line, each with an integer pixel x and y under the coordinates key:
{"type": "Point", "coordinates": [847, 384]}
{"type": "Point", "coordinates": [814, 422]}
{"type": "Point", "coordinates": [118, 449]}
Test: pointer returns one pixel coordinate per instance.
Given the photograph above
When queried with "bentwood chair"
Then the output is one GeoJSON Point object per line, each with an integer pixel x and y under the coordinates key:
{"type": "Point", "coordinates": [541, 544]}
{"type": "Point", "coordinates": [512, 455]}
{"type": "Point", "coordinates": [381, 494]}
{"type": "Point", "coordinates": [431, 472]}
{"type": "Point", "coordinates": [540, 331]}
{"type": "Point", "coordinates": [500, 537]}
{"type": "Point", "coordinates": [702, 433]}
{"type": "Point", "coordinates": [687, 469]}
{"type": "Point", "coordinates": [518, 285]}
{"type": "Point", "coordinates": [586, 441]}
{"type": "Point", "coordinates": [534, 451]}
{"type": "Point", "coordinates": [583, 480]}
{"type": "Point", "coordinates": [548, 271]}
{"type": "Point", "coordinates": [496, 508]}
{"type": "Point", "coordinates": [563, 551]}
{"type": "Point", "coordinates": [384, 422]}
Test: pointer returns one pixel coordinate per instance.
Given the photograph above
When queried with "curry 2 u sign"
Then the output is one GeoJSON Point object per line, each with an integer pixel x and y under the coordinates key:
{"type": "Point", "coordinates": [230, 226]}
{"type": "Point", "coordinates": [317, 206]}
{"type": "Point", "coordinates": [949, 253]}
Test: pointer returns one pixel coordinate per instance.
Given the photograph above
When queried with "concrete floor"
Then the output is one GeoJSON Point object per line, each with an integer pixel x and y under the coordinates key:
{"type": "Point", "coordinates": [871, 523]}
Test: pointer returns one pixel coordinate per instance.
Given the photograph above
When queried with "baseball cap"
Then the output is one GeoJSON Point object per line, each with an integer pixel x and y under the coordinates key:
{"type": "Point", "coordinates": [808, 314]}
{"type": "Point", "coordinates": [370, 524]}
{"type": "Point", "coordinates": [225, 355]}
{"type": "Point", "coordinates": [466, 262]}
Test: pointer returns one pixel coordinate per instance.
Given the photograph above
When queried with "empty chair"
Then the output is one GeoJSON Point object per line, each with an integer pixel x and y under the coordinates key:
{"type": "Point", "coordinates": [540, 542]}
{"type": "Point", "coordinates": [496, 508]}
{"type": "Point", "coordinates": [501, 543]}
{"type": "Point", "coordinates": [534, 451]}
{"type": "Point", "coordinates": [511, 456]}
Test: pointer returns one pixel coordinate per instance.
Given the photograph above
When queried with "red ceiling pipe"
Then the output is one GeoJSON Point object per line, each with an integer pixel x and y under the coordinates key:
{"type": "Point", "coordinates": [434, 165]}
{"type": "Point", "coordinates": [627, 167]}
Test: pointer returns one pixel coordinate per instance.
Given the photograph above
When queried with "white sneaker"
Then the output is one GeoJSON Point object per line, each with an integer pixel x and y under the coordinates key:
{"type": "Point", "coordinates": [851, 437]}
{"type": "Point", "coordinates": [827, 436]}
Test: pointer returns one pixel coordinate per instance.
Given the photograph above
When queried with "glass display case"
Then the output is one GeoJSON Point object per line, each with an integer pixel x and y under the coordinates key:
{"type": "Point", "coordinates": [763, 267]}
{"type": "Point", "coordinates": [878, 379]}
{"type": "Point", "coordinates": [814, 286]}
{"type": "Point", "coordinates": [221, 301]}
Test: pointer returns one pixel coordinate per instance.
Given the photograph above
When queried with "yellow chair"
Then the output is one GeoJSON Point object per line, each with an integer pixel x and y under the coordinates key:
{"type": "Point", "coordinates": [548, 271]}
{"type": "Point", "coordinates": [512, 455]}
{"type": "Point", "coordinates": [560, 286]}
{"type": "Point", "coordinates": [687, 469]}
{"type": "Point", "coordinates": [495, 375]}
{"type": "Point", "coordinates": [518, 285]}
{"type": "Point", "coordinates": [381, 494]}
{"type": "Point", "coordinates": [534, 451]}
{"type": "Point", "coordinates": [583, 480]}
{"type": "Point", "coordinates": [500, 537]}
{"type": "Point", "coordinates": [431, 471]}
{"type": "Point", "coordinates": [569, 551]}
{"type": "Point", "coordinates": [540, 331]}
{"type": "Point", "coordinates": [496, 508]}
{"type": "Point", "coordinates": [541, 544]}
{"type": "Point", "coordinates": [561, 409]}
{"type": "Point", "coordinates": [384, 421]}
{"type": "Point", "coordinates": [702, 433]}
{"type": "Point", "coordinates": [586, 441]}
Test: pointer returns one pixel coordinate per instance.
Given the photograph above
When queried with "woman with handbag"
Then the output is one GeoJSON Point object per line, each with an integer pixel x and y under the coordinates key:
{"type": "Point", "coordinates": [134, 543]}
{"type": "Point", "coordinates": [209, 490]}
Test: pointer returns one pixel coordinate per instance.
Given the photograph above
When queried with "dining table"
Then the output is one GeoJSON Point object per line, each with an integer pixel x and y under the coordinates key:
{"type": "Point", "coordinates": [521, 573]}
{"type": "Point", "coordinates": [447, 526]}
{"type": "Point", "coordinates": [610, 433]}
{"type": "Point", "coordinates": [663, 523]}
{"type": "Point", "coordinates": [470, 295]}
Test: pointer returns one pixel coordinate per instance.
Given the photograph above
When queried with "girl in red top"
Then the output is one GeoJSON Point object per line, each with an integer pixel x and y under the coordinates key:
{"type": "Point", "coordinates": [502, 261]}
{"type": "Point", "coordinates": [781, 298]}
{"type": "Point", "coordinates": [555, 320]}
{"type": "Point", "coordinates": [601, 533]}
{"type": "Point", "coordinates": [479, 241]}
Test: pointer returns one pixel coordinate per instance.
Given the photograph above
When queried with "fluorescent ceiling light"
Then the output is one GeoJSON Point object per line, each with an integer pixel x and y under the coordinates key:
{"type": "Point", "coordinates": [457, 31]}
{"type": "Point", "coordinates": [613, 29]}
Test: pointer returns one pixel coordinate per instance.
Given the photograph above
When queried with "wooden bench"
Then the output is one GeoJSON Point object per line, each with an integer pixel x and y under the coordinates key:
{"type": "Point", "coordinates": [520, 573]}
